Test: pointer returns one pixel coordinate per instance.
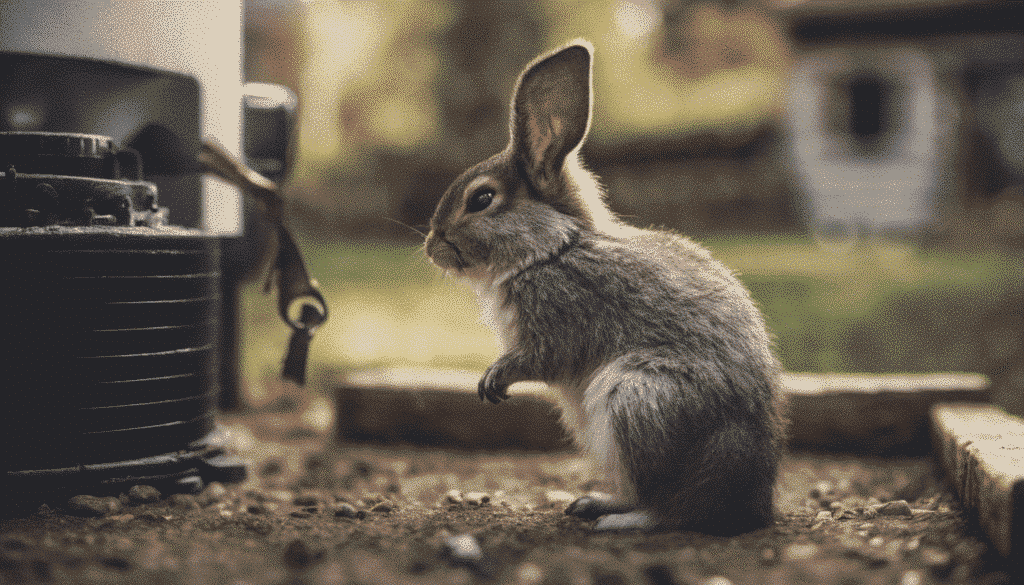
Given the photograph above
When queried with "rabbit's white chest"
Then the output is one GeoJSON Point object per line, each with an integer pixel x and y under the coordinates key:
{"type": "Point", "coordinates": [495, 314]}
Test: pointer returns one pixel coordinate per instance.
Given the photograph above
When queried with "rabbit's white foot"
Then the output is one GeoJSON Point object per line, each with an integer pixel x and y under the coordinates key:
{"type": "Point", "coordinates": [594, 505]}
{"type": "Point", "coordinates": [637, 520]}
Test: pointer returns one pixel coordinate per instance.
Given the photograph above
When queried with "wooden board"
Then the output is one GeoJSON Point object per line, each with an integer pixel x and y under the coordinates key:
{"type": "Point", "coordinates": [872, 413]}
{"type": "Point", "coordinates": [844, 412]}
{"type": "Point", "coordinates": [441, 407]}
{"type": "Point", "coordinates": [982, 450]}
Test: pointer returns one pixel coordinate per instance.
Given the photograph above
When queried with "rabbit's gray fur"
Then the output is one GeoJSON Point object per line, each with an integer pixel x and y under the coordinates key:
{"type": "Point", "coordinates": [664, 364]}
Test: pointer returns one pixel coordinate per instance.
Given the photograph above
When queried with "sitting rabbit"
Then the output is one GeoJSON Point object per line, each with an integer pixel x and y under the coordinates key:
{"type": "Point", "coordinates": [662, 360]}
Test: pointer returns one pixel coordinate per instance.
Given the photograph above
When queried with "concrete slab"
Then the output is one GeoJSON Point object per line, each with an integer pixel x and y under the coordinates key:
{"type": "Point", "coordinates": [846, 412]}
{"type": "Point", "coordinates": [982, 449]}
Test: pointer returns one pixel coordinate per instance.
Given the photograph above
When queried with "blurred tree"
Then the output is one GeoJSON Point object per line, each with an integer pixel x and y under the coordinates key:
{"type": "Point", "coordinates": [480, 54]}
{"type": "Point", "coordinates": [698, 37]}
{"type": "Point", "coordinates": [271, 43]}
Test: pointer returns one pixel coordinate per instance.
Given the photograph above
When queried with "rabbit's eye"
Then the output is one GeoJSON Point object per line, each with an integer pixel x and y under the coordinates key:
{"type": "Point", "coordinates": [480, 201]}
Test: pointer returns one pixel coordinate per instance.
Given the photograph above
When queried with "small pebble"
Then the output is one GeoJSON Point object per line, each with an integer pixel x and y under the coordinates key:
{"type": "Point", "coordinates": [821, 489]}
{"type": "Point", "coordinates": [454, 497]}
{"type": "Point", "coordinates": [306, 500]}
{"type": "Point", "coordinates": [301, 514]}
{"type": "Point", "coordinates": [272, 467]}
{"type": "Point", "coordinates": [801, 552]}
{"type": "Point", "coordinates": [717, 580]}
{"type": "Point", "coordinates": [299, 555]}
{"type": "Point", "coordinates": [463, 548]}
{"type": "Point", "coordinates": [281, 495]}
{"type": "Point", "coordinates": [183, 501]}
{"type": "Point", "coordinates": [894, 508]}
{"type": "Point", "coordinates": [143, 494]}
{"type": "Point", "coordinates": [384, 508]}
{"type": "Point", "coordinates": [153, 516]}
{"type": "Point", "coordinates": [477, 498]}
{"type": "Point", "coordinates": [848, 543]}
{"type": "Point", "coordinates": [823, 515]}
{"type": "Point", "coordinates": [257, 495]}
{"type": "Point", "coordinates": [85, 505]}
{"type": "Point", "coordinates": [558, 498]}
{"type": "Point", "coordinates": [769, 556]}
{"type": "Point", "coordinates": [529, 574]}
{"type": "Point", "coordinates": [912, 577]}
{"type": "Point", "coordinates": [116, 563]}
{"type": "Point", "coordinates": [937, 560]}
{"type": "Point", "coordinates": [213, 493]}
{"type": "Point", "coordinates": [344, 510]}
{"type": "Point", "coordinates": [372, 500]}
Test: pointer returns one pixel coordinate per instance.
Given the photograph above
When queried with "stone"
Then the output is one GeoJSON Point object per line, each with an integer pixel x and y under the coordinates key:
{"type": "Point", "coordinates": [554, 498]}
{"type": "Point", "coordinates": [213, 493]}
{"type": "Point", "coordinates": [143, 494]}
{"type": "Point", "coordinates": [463, 548]}
{"type": "Point", "coordinates": [345, 510]}
{"type": "Point", "coordinates": [981, 448]}
{"type": "Point", "coordinates": [477, 498]}
{"type": "Point", "coordinates": [800, 551]}
{"type": "Point", "coordinates": [894, 508]}
{"type": "Point", "coordinates": [299, 555]}
{"type": "Point", "coordinates": [183, 501]}
{"type": "Point", "coordinates": [306, 500]}
{"type": "Point", "coordinates": [86, 505]}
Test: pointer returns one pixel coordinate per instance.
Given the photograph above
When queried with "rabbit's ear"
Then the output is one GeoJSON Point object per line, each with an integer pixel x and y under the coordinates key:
{"type": "Point", "coordinates": [551, 112]}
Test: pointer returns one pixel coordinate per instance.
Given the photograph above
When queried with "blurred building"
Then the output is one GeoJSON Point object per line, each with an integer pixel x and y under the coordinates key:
{"type": "Point", "coordinates": [902, 115]}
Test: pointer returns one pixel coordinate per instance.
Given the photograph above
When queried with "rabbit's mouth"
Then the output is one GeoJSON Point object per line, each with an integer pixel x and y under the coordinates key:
{"type": "Point", "coordinates": [446, 255]}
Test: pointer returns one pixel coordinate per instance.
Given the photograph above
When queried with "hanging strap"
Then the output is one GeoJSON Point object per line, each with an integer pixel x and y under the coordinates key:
{"type": "Point", "coordinates": [296, 290]}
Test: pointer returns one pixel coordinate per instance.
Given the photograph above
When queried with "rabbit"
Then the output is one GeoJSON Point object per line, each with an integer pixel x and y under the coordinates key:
{"type": "Point", "coordinates": [663, 363]}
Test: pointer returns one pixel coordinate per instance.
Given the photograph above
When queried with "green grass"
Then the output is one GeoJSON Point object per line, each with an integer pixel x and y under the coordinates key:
{"type": "Point", "coordinates": [876, 306]}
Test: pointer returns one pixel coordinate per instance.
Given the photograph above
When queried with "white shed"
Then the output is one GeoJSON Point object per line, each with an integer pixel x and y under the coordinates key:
{"type": "Point", "coordinates": [886, 100]}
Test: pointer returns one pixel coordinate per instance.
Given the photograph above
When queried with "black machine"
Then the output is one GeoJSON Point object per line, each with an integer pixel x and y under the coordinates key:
{"type": "Point", "coordinates": [118, 347]}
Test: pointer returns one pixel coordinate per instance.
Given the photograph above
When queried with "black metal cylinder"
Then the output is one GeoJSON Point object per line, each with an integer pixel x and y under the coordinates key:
{"type": "Point", "coordinates": [111, 343]}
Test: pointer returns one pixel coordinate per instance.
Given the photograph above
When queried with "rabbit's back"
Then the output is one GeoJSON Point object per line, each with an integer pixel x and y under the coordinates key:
{"type": "Point", "coordinates": [604, 296]}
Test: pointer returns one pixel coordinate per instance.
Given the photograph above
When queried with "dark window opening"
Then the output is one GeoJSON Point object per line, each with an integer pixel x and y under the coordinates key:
{"type": "Point", "coordinates": [869, 108]}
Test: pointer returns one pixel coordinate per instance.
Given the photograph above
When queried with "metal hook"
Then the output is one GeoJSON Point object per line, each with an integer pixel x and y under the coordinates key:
{"type": "Point", "coordinates": [288, 270]}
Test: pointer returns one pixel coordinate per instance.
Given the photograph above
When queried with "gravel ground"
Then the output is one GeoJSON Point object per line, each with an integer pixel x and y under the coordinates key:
{"type": "Point", "coordinates": [314, 511]}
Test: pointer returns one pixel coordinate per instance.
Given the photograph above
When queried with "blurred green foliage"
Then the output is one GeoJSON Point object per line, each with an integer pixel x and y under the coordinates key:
{"type": "Point", "coordinates": [880, 306]}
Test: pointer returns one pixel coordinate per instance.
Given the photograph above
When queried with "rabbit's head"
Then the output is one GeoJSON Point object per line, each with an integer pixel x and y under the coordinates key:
{"type": "Point", "coordinates": [527, 202]}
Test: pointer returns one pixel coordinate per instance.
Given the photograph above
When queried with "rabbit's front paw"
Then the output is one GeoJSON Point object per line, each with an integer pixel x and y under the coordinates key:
{"type": "Point", "coordinates": [492, 386]}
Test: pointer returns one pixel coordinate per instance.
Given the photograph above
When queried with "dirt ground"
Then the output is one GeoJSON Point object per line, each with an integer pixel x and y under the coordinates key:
{"type": "Point", "coordinates": [314, 511]}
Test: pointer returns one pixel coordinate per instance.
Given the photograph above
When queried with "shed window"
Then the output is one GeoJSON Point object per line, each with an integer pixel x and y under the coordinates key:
{"type": "Point", "coordinates": [869, 108]}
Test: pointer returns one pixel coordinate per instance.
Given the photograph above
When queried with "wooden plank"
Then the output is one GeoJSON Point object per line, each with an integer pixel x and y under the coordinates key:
{"type": "Point", "coordinates": [982, 450]}
{"type": "Point", "coordinates": [845, 412]}
{"type": "Point", "coordinates": [441, 407]}
{"type": "Point", "coordinates": [872, 413]}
